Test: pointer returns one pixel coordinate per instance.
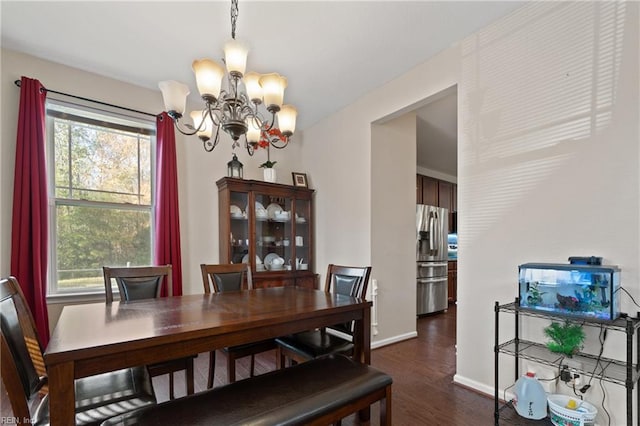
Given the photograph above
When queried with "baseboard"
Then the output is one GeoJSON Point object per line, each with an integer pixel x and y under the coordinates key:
{"type": "Point", "coordinates": [480, 387]}
{"type": "Point", "coordinates": [378, 343]}
{"type": "Point", "coordinates": [394, 339]}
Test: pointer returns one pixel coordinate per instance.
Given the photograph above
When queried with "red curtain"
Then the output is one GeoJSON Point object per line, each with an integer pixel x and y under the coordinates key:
{"type": "Point", "coordinates": [167, 235]}
{"type": "Point", "coordinates": [29, 221]}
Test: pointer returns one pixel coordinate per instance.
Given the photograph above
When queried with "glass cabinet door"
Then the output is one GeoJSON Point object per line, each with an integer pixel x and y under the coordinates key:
{"type": "Point", "coordinates": [273, 233]}
{"type": "Point", "coordinates": [302, 238]}
{"type": "Point", "coordinates": [239, 227]}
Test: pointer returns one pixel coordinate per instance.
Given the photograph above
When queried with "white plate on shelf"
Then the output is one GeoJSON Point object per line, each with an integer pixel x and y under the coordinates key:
{"type": "Point", "coordinates": [245, 259]}
{"type": "Point", "coordinates": [272, 209]}
{"type": "Point", "coordinates": [259, 208]}
{"type": "Point", "coordinates": [235, 210]}
{"type": "Point", "coordinates": [270, 258]}
{"type": "Point", "coordinates": [301, 220]}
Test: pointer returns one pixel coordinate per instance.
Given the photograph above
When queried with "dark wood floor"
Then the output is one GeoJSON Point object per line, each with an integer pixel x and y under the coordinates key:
{"type": "Point", "coordinates": [422, 371]}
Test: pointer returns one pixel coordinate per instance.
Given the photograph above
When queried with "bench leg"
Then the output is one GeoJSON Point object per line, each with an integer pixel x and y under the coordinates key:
{"type": "Point", "coordinates": [189, 376]}
{"type": "Point", "coordinates": [231, 368]}
{"type": "Point", "coordinates": [171, 394]}
{"type": "Point", "coordinates": [212, 369]}
{"type": "Point", "coordinates": [280, 358]}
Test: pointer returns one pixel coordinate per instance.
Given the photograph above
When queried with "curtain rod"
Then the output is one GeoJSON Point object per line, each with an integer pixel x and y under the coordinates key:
{"type": "Point", "coordinates": [17, 83]}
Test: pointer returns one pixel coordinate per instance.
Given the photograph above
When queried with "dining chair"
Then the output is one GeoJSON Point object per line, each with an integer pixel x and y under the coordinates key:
{"type": "Point", "coordinates": [146, 282]}
{"type": "Point", "coordinates": [301, 347]}
{"type": "Point", "coordinates": [24, 376]}
{"type": "Point", "coordinates": [231, 277]}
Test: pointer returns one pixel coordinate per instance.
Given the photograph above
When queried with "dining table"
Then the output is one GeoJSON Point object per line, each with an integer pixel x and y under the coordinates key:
{"type": "Point", "coordinates": [96, 338]}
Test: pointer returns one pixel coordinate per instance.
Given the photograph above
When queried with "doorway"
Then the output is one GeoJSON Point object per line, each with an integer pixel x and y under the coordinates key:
{"type": "Point", "coordinates": [437, 160]}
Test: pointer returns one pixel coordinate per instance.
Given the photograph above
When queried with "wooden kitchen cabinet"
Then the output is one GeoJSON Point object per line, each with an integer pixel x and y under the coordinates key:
{"type": "Point", "coordinates": [247, 236]}
{"type": "Point", "coordinates": [427, 190]}
{"type": "Point", "coordinates": [436, 192]}
{"type": "Point", "coordinates": [452, 281]}
{"type": "Point", "coordinates": [445, 195]}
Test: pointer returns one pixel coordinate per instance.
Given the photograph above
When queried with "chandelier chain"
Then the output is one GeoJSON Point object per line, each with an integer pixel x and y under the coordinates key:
{"type": "Point", "coordinates": [234, 17]}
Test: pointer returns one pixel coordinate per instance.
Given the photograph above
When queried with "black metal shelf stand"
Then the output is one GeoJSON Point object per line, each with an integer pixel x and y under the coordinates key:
{"type": "Point", "coordinates": [621, 372]}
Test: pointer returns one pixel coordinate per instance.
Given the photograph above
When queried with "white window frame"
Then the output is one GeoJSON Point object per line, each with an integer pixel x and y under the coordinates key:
{"type": "Point", "coordinates": [106, 117]}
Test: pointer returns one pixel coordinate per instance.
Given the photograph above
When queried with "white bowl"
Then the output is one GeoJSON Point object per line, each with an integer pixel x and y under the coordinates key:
{"type": "Point", "coordinates": [303, 266]}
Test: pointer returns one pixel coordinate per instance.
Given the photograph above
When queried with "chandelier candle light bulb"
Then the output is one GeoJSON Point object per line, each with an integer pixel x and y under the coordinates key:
{"type": "Point", "coordinates": [273, 86]}
{"type": "Point", "coordinates": [206, 128]}
{"type": "Point", "coordinates": [235, 56]}
{"type": "Point", "coordinates": [287, 119]}
{"type": "Point", "coordinates": [237, 107]}
{"type": "Point", "coordinates": [252, 85]}
{"type": "Point", "coordinates": [208, 78]}
{"type": "Point", "coordinates": [175, 96]}
{"type": "Point", "coordinates": [253, 131]}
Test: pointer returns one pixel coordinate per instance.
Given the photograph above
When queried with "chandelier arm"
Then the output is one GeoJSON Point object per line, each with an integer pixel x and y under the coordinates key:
{"type": "Point", "coordinates": [210, 145]}
{"type": "Point", "coordinates": [176, 122]}
{"type": "Point", "coordinates": [273, 143]}
{"type": "Point", "coordinates": [273, 121]}
{"type": "Point", "coordinates": [211, 109]}
{"type": "Point", "coordinates": [248, 146]}
{"type": "Point", "coordinates": [248, 113]}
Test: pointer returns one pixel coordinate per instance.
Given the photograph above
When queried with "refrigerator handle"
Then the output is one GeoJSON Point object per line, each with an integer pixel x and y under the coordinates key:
{"type": "Point", "coordinates": [438, 236]}
{"type": "Point", "coordinates": [431, 233]}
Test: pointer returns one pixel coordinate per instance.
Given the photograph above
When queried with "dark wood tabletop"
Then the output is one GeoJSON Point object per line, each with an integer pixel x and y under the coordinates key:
{"type": "Point", "coordinates": [96, 338]}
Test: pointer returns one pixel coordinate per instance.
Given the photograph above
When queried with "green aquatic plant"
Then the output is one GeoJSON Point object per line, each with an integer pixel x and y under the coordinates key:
{"type": "Point", "coordinates": [565, 338]}
{"type": "Point", "coordinates": [535, 295]}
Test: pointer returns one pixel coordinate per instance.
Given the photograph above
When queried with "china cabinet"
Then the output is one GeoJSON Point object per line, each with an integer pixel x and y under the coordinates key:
{"type": "Point", "coordinates": [270, 227]}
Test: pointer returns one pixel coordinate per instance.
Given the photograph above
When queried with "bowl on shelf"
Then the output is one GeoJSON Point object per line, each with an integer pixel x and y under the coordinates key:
{"type": "Point", "coordinates": [282, 216]}
{"type": "Point", "coordinates": [584, 413]}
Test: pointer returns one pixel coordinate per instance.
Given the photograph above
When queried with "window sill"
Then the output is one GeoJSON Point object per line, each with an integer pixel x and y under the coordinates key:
{"type": "Point", "coordinates": [67, 298]}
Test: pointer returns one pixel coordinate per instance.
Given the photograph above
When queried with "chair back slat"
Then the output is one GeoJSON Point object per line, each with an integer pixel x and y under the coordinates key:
{"type": "Point", "coordinates": [139, 288]}
{"type": "Point", "coordinates": [139, 282]}
{"type": "Point", "coordinates": [226, 277]}
{"type": "Point", "coordinates": [349, 281]}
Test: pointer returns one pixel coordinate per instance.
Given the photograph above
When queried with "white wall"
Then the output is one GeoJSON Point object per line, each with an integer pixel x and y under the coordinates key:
{"type": "Point", "coordinates": [198, 171]}
{"type": "Point", "coordinates": [393, 230]}
{"type": "Point", "coordinates": [548, 165]}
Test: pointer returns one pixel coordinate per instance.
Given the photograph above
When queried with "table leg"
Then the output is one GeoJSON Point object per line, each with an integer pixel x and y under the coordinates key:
{"type": "Point", "coordinates": [362, 338]}
{"type": "Point", "coordinates": [62, 397]}
{"type": "Point", "coordinates": [366, 335]}
{"type": "Point", "coordinates": [362, 351]}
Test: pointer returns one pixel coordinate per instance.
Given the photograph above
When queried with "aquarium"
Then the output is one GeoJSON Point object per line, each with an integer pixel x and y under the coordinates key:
{"type": "Point", "coordinates": [583, 291]}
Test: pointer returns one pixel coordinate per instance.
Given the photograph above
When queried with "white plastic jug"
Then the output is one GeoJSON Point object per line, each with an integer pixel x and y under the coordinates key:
{"type": "Point", "coordinates": [530, 400]}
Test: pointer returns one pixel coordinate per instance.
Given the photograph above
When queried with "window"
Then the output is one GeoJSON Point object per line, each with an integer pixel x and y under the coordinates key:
{"type": "Point", "coordinates": [101, 184]}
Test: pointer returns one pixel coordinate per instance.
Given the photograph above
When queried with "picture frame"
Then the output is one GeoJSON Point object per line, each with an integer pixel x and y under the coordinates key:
{"type": "Point", "coordinates": [300, 179]}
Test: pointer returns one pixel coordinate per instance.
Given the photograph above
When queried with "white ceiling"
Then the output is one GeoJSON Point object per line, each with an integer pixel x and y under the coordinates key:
{"type": "Point", "coordinates": [332, 52]}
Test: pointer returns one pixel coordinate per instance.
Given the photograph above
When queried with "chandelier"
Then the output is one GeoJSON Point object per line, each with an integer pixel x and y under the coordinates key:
{"type": "Point", "coordinates": [240, 108]}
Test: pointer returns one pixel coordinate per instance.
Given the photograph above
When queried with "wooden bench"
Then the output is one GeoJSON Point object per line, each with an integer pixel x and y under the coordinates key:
{"type": "Point", "coordinates": [317, 392]}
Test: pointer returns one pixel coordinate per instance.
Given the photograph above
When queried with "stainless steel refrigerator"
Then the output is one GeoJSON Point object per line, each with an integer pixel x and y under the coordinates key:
{"type": "Point", "coordinates": [432, 225]}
